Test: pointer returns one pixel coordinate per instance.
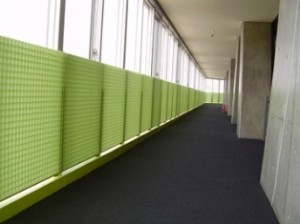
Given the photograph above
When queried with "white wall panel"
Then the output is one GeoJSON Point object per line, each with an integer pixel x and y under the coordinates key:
{"type": "Point", "coordinates": [281, 166]}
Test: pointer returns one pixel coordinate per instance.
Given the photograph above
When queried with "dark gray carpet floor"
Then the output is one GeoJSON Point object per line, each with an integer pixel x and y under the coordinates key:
{"type": "Point", "coordinates": [194, 171]}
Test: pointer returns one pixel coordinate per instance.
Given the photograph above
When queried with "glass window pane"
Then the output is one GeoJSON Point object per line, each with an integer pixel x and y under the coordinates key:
{"type": "Point", "coordinates": [170, 57]}
{"type": "Point", "coordinates": [215, 86]}
{"type": "Point", "coordinates": [113, 32]}
{"type": "Point", "coordinates": [185, 69]}
{"type": "Point", "coordinates": [78, 27]}
{"type": "Point", "coordinates": [192, 75]}
{"type": "Point", "coordinates": [28, 20]}
{"type": "Point", "coordinates": [134, 35]}
{"type": "Point", "coordinates": [221, 86]}
{"type": "Point", "coordinates": [147, 39]}
{"type": "Point", "coordinates": [209, 85]}
{"type": "Point", "coordinates": [174, 60]}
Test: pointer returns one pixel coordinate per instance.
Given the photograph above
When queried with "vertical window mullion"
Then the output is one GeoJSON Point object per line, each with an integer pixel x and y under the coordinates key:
{"type": "Point", "coordinates": [96, 29]}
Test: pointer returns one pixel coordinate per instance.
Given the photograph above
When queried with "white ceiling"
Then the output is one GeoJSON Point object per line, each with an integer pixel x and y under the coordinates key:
{"type": "Point", "coordinates": [196, 20]}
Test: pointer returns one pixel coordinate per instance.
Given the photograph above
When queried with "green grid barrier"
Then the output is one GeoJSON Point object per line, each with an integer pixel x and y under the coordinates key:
{"type": "Point", "coordinates": [208, 97]}
{"type": "Point", "coordinates": [184, 99]}
{"type": "Point", "coordinates": [133, 104]}
{"type": "Point", "coordinates": [174, 100]}
{"type": "Point", "coordinates": [215, 98]}
{"type": "Point", "coordinates": [203, 97]}
{"type": "Point", "coordinates": [146, 114]}
{"type": "Point", "coordinates": [31, 80]}
{"type": "Point", "coordinates": [192, 99]}
{"type": "Point", "coordinates": [82, 110]}
{"type": "Point", "coordinates": [170, 101]}
{"type": "Point", "coordinates": [221, 97]}
{"type": "Point", "coordinates": [156, 110]}
{"type": "Point", "coordinates": [197, 98]}
{"type": "Point", "coordinates": [113, 107]}
{"type": "Point", "coordinates": [59, 110]}
{"type": "Point", "coordinates": [164, 102]}
{"type": "Point", "coordinates": [178, 105]}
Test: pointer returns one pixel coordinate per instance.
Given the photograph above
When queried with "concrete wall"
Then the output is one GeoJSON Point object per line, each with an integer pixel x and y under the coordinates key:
{"type": "Point", "coordinates": [280, 176]}
{"type": "Point", "coordinates": [255, 79]}
{"type": "Point", "coordinates": [230, 85]}
{"type": "Point", "coordinates": [235, 92]}
{"type": "Point", "coordinates": [225, 98]}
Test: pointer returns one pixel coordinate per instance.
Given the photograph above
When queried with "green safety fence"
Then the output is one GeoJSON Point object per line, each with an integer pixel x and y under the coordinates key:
{"type": "Point", "coordinates": [164, 102]}
{"type": "Point", "coordinates": [113, 107]}
{"type": "Point", "coordinates": [82, 107]}
{"type": "Point", "coordinates": [31, 82]}
{"type": "Point", "coordinates": [214, 98]}
{"type": "Point", "coordinates": [147, 94]}
{"type": "Point", "coordinates": [156, 102]}
{"type": "Point", "coordinates": [133, 105]}
{"type": "Point", "coordinates": [59, 110]}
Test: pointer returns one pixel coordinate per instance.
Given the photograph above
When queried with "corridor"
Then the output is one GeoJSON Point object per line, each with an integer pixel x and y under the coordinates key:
{"type": "Point", "coordinates": [194, 171]}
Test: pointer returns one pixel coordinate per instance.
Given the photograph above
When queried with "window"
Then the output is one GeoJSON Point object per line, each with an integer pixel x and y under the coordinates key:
{"type": "Point", "coordinates": [221, 89]}
{"type": "Point", "coordinates": [78, 27]}
{"type": "Point", "coordinates": [134, 35]}
{"type": "Point", "coordinates": [209, 85]}
{"type": "Point", "coordinates": [161, 50]}
{"type": "Point", "coordinates": [192, 74]}
{"type": "Point", "coordinates": [30, 21]}
{"type": "Point", "coordinates": [197, 79]}
{"type": "Point", "coordinates": [184, 68]}
{"type": "Point", "coordinates": [147, 39]}
{"type": "Point", "coordinates": [215, 87]}
{"type": "Point", "coordinates": [172, 58]}
{"type": "Point", "coordinates": [203, 83]}
{"type": "Point", "coordinates": [112, 48]}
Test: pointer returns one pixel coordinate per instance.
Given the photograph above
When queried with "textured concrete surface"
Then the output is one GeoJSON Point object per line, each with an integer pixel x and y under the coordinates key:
{"type": "Point", "coordinates": [234, 103]}
{"type": "Point", "coordinates": [255, 79]}
{"type": "Point", "coordinates": [230, 85]}
{"type": "Point", "coordinates": [281, 164]}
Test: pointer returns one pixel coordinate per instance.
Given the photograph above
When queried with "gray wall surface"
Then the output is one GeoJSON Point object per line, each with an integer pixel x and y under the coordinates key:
{"type": "Point", "coordinates": [235, 90]}
{"type": "Point", "coordinates": [255, 79]}
{"type": "Point", "coordinates": [280, 176]}
{"type": "Point", "coordinates": [230, 85]}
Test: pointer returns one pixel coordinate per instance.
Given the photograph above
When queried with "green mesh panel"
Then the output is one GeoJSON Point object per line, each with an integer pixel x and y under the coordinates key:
{"type": "Point", "coordinates": [197, 98]}
{"type": "Point", "coordinates": [208, 97]}
{"type": "Point", "coordinates": [221, 95]}
{"type": "Point", "coordinates": [192, 98]}
{"type": "Point", "coordinates": [156, 102]}
{"type": "Point", "coordinates": [30, 112]}
{"type": "Point", "coordinates": [184, 99]}
{"type": "Point", "coordinates": [133, 104]}
{"type": "Point", "coordinates": [147, 103]}
{"type": "Point", "coordinates": [82, 110]}
{"type": "Point", "coordinates": [215, 98]}
{"type": "Point", "coordinates": [170, 101]}
{"type": "Point", "coordinates": [113, 112]}
{"type": "Point", "coordinates": [164, 101]}
{"type": "Point", "coordinates": [174, 100]}
{"type": "Point", "coordinates": [178, 104]}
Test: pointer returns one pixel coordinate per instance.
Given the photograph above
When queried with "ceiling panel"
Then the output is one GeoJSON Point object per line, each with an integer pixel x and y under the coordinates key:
{"type": "Point", "coordinates": [210, 27]}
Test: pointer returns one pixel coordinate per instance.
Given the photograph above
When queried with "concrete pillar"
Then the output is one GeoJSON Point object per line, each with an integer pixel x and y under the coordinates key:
{"type": "Point", "coordinates": [225, 92]}
{"type": "Point", "coordinates": [230, 85]}
{"type": "Point", "coordinates": [255, 79]}
{"type": "Point", "coordinates": [235, 92]}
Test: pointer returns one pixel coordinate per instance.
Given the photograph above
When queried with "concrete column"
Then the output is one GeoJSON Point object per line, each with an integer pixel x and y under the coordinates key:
{"type": "Point", "coordinates": [226, 90]}
{"type": "Point", "coordinates": [235, 92]}
{"type": "Point", "coordinates": [230, 85]}
{"type": "Point", "coordinates": [255, 79]}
